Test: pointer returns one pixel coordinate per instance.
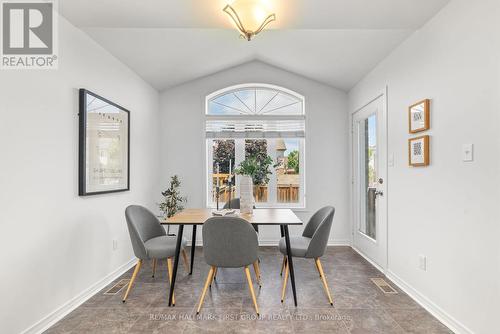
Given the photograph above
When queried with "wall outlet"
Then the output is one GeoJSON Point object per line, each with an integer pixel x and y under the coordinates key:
{"type": "Point", "coordinates": [422, 262]}
{"type": "Point", "coordinates": [115, 244]}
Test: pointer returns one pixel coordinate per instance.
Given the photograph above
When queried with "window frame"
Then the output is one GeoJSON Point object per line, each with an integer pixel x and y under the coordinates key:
{"type": "Point", "coordinates": [240, 148]}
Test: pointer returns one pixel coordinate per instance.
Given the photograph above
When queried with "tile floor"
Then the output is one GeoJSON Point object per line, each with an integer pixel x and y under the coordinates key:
{"type": "Point", "coordinates": [359, 306]}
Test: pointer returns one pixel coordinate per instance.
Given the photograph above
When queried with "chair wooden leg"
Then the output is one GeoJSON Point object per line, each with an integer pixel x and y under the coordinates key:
{"type": "Point", "coordinates": [256, 268]}
{"type": "Point", "coordinates": [323, 278]}
{"type": "Point", "coordinates": [169, 268]}
{"type": "Point", "coordinates": [213, 277]}
{"type": "Point", "coordinates": [283, 265]}
{"type": "Point", "coordinates": [317, 268]}
{"type": "Point", "coordinates": [154, 267]}
{"type": "Point", "coordinates": [207, 283]}
{"type": "Point", "coordinates": [250, 286]}
{"type": "Point", "coordinates": [134, 275]}
{"type": "Point", "coordinates": [185, 259]}
{"type": "Point", "coordinates": [285, 279]}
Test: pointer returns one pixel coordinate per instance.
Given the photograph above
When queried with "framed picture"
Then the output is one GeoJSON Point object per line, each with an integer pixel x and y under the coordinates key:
{"type": "Point", "coordinates": [104, 146]}
{"type": "Point", "coordinates": [419, 116]}
{"type": "Point", "coordinates": [418, 151]}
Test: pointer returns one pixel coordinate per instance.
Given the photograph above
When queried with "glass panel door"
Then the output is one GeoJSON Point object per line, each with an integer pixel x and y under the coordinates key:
{"type": "Point", "coordinates": [368, 175]}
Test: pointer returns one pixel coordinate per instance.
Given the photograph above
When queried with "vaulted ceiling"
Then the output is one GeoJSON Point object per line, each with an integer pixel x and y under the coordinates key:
{"type": "Point", "coordinates": [169, 42]}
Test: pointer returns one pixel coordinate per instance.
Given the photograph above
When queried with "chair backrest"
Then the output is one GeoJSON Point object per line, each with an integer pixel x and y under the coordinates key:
{"type": "Point", "coordinates": [142, 226]}
{"type": "Point", "coordinates": [318, 229]}
{"type": "Point", "coordinates": [229, 242]}
{"type": "Point", "coordinates": [235, 203]}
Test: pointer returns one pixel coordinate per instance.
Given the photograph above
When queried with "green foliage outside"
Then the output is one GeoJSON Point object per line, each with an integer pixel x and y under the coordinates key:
{"type": "Point", "coordinates": [223, 152]}
{"type": "Point", "coordinates": [371, 169]}
{"type": "Point", "coordinates": [293, 161]}
{"type": "Point", "coordinates": [257, 168]}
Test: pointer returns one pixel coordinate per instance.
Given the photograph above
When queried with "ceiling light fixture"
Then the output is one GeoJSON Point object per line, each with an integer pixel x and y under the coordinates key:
{"type": "Point", "coordinates": [250, 16]}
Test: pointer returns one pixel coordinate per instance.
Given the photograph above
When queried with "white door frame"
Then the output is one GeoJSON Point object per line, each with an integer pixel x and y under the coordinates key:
{"type": "Point", "coordinates": [383, 266]}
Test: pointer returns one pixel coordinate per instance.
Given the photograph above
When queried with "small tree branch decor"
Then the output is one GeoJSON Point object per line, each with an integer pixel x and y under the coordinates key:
{"type": "Point", "coordinates": [172, 199]}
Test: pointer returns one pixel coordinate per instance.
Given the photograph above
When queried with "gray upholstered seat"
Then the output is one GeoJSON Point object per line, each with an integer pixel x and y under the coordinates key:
{"type": "Point", "coordinates": [312, 244]}
{"type": "Point", "coordinates": [149, 240]}
{"type": "Point", "coordinates": [162, 247]}
{"type": "Point", "coordinates": [298, 246]}
{"type": "Point", "coordinates": [314, 239]}
{"type": "Point", "coordinates": [229, 242]}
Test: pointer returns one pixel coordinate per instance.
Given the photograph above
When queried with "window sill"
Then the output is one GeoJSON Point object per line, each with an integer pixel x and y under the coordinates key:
{"type": "Point", "coordinates": [293, 208]}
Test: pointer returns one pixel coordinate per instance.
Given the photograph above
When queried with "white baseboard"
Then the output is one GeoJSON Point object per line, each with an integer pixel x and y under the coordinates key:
{"type": "Point", "coordinates": [72, 304]}
{"type": "Point", "coordinates": [274, 242]}
{"type": "Point", "coordinates": [379, 268]}
{"type": "Point", "coordinates": [449, 321]}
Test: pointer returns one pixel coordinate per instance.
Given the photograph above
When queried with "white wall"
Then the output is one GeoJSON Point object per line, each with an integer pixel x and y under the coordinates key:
{"type": "Point", "coordinates": [183, 140]}
{"type": "Point", "coordinates": [54, 244]}
{"type": "Point", "coordinates": [449, 210]}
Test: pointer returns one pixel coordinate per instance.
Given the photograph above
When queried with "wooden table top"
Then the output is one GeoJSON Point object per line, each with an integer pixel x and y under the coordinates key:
{"type": "Point", "coordinates": [259, 217]}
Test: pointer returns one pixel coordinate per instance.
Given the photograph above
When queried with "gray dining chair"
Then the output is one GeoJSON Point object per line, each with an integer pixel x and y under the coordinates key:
{"type": "Point", "coordinates": [150, 241]}
{"type": "Point", "coordinates": [311, 245]}
{"type": "Point", "coordinates": [235, 204]}
{"type": "Point", "coordinates": [229, 242]}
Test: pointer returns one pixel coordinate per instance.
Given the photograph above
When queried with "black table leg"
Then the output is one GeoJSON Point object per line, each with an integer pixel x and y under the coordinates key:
{"type": "Point", "coordinates": [290, 263]}
{"type": "Point", "coordinates": [282, 231]}
{"type": "Point", "coordinates": [176, 263]}
{"type": "Point", "coordinates": [193, 247]}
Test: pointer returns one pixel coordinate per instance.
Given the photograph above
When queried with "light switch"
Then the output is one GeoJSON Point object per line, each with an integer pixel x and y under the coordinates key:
{"type": "Point", "coordinates": [468, 152]}
{"type": "Point", "coordinates": [422, 262]}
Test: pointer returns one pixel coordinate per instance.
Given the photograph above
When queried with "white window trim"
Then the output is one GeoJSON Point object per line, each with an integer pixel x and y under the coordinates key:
{"type": "Point", "coordinates": [252, 85]}
{"type": "Point", "coordinates": [239, 150]}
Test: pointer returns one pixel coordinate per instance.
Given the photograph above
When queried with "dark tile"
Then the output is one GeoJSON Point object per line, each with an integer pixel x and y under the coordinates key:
{"type": "Point", "coordinates": [109, 320]}
{"type": "Point", "coordinates": [317, 320]}
{"type": "Point", "coordinates": [71, 321]}
{"type": "Point", "coordinates": [418, 321]}
{"type": "Point", "coordinates": [262, 327]}
{"type": "Point", "coordinates": [160, 320]}
{"type": "Point", "coordinates": [142, 295]}
{"type": "Point", "coordinates": [359, 306]}
{"type": "Point", "coordinates": [361, 321]}
{"type": "Point", "coordinates": [214, 320]}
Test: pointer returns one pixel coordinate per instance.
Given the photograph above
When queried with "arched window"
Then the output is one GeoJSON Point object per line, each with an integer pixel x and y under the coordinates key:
{"type": "Point", "coordinates": [256, 120]}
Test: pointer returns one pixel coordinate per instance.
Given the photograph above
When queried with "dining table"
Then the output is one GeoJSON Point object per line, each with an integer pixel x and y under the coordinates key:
{"type": "Point", "coordinates": [194, 217]}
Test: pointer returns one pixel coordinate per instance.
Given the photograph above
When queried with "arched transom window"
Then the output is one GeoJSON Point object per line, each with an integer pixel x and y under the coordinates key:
{"type": "Point", "coordinates": [256, 120]}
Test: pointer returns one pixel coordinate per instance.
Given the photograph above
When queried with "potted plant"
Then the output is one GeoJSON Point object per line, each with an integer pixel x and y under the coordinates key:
{"type": "Point", "coordinates": [252, 171]}
{"type": "Point", "coordinates": [172, 199]}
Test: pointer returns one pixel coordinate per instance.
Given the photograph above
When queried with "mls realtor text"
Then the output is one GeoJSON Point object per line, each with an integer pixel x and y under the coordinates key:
{"type": "Point", "coordinates": [28, 61]}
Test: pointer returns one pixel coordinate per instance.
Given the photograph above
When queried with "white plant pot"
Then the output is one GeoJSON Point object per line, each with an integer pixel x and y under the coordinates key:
{"type": "Point", "coordinates": [246, 194]}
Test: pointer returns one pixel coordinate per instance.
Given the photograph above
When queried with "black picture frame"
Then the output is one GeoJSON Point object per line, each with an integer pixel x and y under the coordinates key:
{"type": "Point", "coordinates": [82, 142]}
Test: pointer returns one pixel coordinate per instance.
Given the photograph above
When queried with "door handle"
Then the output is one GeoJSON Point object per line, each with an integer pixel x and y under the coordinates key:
{"type": "Point", "coordinates": [379, 193]}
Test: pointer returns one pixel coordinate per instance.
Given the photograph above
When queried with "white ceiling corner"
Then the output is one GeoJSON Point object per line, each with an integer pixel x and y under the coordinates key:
{"type": "Point", "coordinates": [336, 42]}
